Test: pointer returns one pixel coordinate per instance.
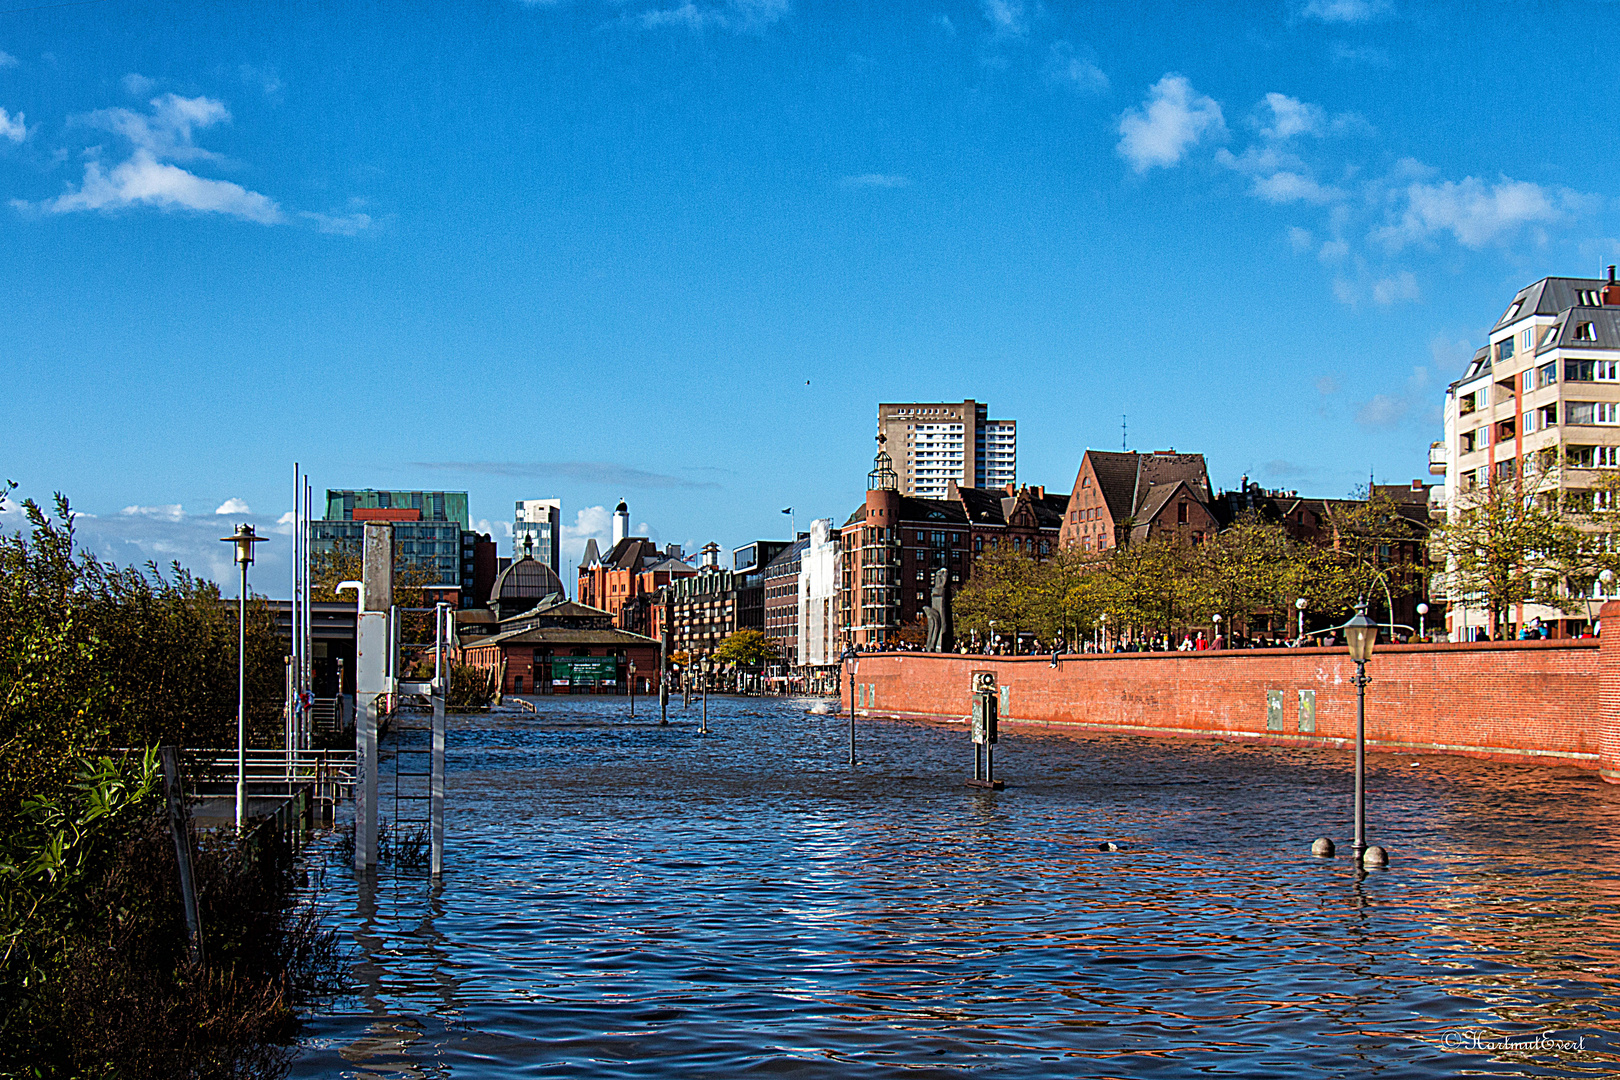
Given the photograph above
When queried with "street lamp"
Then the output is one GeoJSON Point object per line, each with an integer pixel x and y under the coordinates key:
{"type": "Point", "coordinates": [1300, 605]}
{"type": "Point", "coordinates": [244, 540]}
{"type": "Point", "coordinates": [632, 689]}
{"type": "Point", "coordinates": [1360, 633]}
{"type": "Point", "coordinates": [1216, 618]}
{"type": "Point", "coordinates": [993, 638]}
{"type": "Point", "coordinates": [1422, 610]}
{"type": "Point", "coordinates": [708, 665]}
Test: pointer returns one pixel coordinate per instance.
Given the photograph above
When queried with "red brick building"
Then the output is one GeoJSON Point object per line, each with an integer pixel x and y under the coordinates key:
{"type": "Point", "coordinates": [562, 647]}
{"type": "Point", "coordinates": [623, 581]}
{"type": "Point", "coordinates": [1120, 497]}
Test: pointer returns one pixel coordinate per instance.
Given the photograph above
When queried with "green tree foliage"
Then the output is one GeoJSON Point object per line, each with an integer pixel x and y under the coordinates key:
{"type": "Point", "coordinates": [746, 648]}
{"type": "Point", "coordinates": [92, 656]}
{"type": "Point", "coordinates": [1508, 549]}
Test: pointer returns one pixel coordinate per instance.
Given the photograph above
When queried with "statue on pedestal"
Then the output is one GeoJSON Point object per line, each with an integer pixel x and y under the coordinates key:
{"type": "Point", "coordinates": [941, 633]}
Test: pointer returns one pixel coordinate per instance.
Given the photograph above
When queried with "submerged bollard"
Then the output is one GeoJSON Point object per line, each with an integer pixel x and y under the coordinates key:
{"type": "Point", "coordinates": [1322, 847]}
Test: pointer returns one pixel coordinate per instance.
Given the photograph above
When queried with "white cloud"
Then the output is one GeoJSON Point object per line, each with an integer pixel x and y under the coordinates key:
{"type": "Point", "coordinates": [339, 224]}
{"type": "Point", "coordinates": [170, 512]}
{"type": "Point", "coordinates": [148, 177]}
{"type": "Point", "coordinates": [1473, 211]}
{"type": "Point", "coordinates": [1300, 239]}
{"type": "Point", "coordinates": [1347, 11]}
{"type": "Point", "coordinates": [1064, 65]}
{"type": "Point", "coordinates": [738, 16]}
{"type": "Point", "coordinates": [1333, 251]}
{"type": "Point", "coordinates": [1172, 120]}
{"type": "Point", "coordinates": [877, 180]}
{"type": "Point", "coordinates": [234, 506]}
{"type": "Point", "coordinates": [945, 24]}
{"type": "Point", "coordinates": [7, 60]}
{"type": "Point", "coordinates": [590, 523]}
{"type": "Point", "coordinates": [167, 130]}
{"type": "Point", "coordinates": [137, 85]}
{"type": "Point", "coordinates": [1283, 117]}
{"type": "Point", "coordinates": [264, 79]}
{"type": "Point", "coordinates": [1382, 411]}
{"type": "Point", "coordinates": [1400, 286]}
{"type": "Point", "coordinates": [12, 127]}
{"type": "Point", "coordinates": [1289, 187]}
{"type": "Point", "coordinates": [142, 181]}
{"type": "Point", "coordinates": [1007, 17]}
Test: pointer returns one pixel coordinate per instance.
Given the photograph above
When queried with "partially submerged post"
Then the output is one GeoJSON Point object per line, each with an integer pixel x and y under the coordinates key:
{"type": "Point", "coordinates": [443, 624]}
{"type": "Point", "coordinates": [373, 666]}
{"type": "Point", "coordinates": [984, 731]}
{"type": "Point", "coordinates": [663, 659]}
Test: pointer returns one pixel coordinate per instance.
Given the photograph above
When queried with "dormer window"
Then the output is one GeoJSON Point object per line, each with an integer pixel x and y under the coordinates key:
{"type": "Point", "coordinates": [1585, 331]}
{"type": "Point", "coordinates": [1513, 312]}
{"type": "Point", "coordinates": [1588, 298]}
{"type": "Point", "coordinates": [1551, 336]}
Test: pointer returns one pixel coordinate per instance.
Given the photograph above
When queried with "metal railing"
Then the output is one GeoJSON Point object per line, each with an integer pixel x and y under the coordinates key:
{"type": "Point", "coordinates": [330, 772]}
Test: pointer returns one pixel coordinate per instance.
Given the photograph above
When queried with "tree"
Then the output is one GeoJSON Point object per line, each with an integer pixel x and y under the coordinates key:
{"type": "Point", "coordinates": [1242, 571]}
{"type": "Point", "coordinates": [746, 648]}
{"type": "Point", "coordinates": [1509, 549]}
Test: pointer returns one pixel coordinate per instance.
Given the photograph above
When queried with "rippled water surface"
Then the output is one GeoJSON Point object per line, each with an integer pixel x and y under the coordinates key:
{"type": "Point", "coordinates": [622, 900]}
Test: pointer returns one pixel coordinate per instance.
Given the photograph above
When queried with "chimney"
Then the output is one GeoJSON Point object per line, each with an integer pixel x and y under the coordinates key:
{"type": "Point", "coordinates": [1611, 291]}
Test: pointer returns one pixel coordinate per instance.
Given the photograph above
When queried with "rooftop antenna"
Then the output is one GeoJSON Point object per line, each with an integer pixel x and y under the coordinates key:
{"type": "Point", "coordinates": [1123, 431]}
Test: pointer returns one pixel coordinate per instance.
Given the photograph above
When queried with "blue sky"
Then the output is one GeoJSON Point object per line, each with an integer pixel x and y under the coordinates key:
{"type": "Point", "coordinates": [676, 252]}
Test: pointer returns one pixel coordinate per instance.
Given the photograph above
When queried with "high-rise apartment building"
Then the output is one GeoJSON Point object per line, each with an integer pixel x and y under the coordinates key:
{"type": "Point", "coordinates": [1538, 408]}
{"type": "Point", "coordinates": [537, 530]}
{"type": "Point", "coordinates": [431, 530]}
{"type": "Point", "coordinates": [933, 443]}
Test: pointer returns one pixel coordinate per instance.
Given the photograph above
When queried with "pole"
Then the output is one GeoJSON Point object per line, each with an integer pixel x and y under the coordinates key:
{"type": "Point", "coordinates": [703, 727]}
{"type": "Point", "coordinates": [436, 789]}
{"type": "Point", "coordinates": [632, 692]}
{"type": "Point", "coordinates": [852, 715]}
{"type": "Point", "coordinates": [1360, 844]}
{"type": "Point", "coordinates": [182, 850]}
{"type": "Point", "coordinates": [241, 703]}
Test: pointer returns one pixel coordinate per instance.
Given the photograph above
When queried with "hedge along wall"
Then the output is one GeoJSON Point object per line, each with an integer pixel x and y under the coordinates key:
{"type": "Point", "coordinates": [1531, 701]}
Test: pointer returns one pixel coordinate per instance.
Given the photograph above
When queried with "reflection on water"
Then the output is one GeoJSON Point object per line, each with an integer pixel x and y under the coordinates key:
{"type": "Point", "coordinates": [627, 900]}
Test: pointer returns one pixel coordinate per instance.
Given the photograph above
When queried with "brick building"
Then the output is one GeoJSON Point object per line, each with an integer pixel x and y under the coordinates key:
{"type": "Point", "coordinates": [560, 647]}
{"type": "Point", "coordinates": [1123, 496]}
{"type": "Point", "coordinates": [624, 580]}
{"type": "Point", "coordinates": [781, 610]}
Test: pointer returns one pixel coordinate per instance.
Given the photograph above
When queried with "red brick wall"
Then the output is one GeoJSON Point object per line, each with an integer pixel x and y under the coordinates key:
{"type": "Point", "coordinates": [1512, 701]}
{"type": "Point", "coordinates": [1608, 717]}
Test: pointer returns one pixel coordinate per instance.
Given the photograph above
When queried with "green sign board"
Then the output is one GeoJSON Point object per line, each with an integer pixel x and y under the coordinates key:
{"type": "Point", "coordinates": [585, 669]}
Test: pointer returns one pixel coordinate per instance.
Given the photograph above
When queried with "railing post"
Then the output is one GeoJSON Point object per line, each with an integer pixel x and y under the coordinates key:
{"type": "Point", "coordinates": [182, 851]}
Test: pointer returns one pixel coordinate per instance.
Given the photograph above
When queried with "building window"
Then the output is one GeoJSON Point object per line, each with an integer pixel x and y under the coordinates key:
{"type": "Point", "coordinates": [1549, 415]}
{"type": "Point", "coordinates": [1504, 349]}
{"type": "Point", "coordinates": [1547, 374]}
{"type": "Point", "coordinates": [1591, 412]}
{"type": "Point", "coordinates": [1181, 513]}
{"type": "Point", "coordinates": [1529, 422]}
{"type": "Point", "coordinates": [1585, 331]}
{"type": "Point", "coordinates": [1527, 380]}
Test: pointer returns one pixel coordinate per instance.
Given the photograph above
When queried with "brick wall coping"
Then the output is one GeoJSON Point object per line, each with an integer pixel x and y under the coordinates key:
{"type": "Point", "coordinates": [1210, 654]}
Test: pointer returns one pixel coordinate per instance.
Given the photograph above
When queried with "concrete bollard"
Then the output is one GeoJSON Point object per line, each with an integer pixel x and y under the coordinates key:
{"type": "Point", "coordinates": [1322, 847]}
{"type": "Point", "coordinates": [1107, 845]}
{"type": "Point", "coordinates": [1375, 856]}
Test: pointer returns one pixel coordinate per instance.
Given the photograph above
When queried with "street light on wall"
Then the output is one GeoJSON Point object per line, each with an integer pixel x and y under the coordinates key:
{"type": "Point", "coordinates": [1360, 634]}
{"type": "Point", "coordinates": [1216, 619]}
{"type": "Point", "coordinates": [1422, 610]}
{"type": "Point", "coordinates": [1300, 605]}
{"type": "Point", "coordinates": [244, 539]}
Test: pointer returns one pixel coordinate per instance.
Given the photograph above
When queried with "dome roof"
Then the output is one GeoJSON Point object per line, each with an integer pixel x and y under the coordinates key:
{"type": "Point", "coordinates": [621, 508]}
{"type": "Point", "coordinates": [525, 579]}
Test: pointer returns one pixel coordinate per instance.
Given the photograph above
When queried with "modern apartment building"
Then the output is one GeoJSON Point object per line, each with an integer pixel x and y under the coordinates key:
{"type": "Point", "coordinates": [934, 443]}
{"type": "Point", "coordinates": [818, 639]}
{"type": "Point", "coordinates": [537, 530]}
{"type": "Point", "coordinates": [1538, 407]}
{"type": "Point", "coordinates": [431, 530]}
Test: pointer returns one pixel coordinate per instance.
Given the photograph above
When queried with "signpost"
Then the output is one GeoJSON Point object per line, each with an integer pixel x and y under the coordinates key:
{"type": "Point", "coordinates": [984, 696]}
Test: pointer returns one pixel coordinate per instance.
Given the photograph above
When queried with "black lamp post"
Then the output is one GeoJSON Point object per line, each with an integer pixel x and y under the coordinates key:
{"type": "Point", "coordinates": [1360, 633]}
{"type": "Point", "coordinates": [244, 539]}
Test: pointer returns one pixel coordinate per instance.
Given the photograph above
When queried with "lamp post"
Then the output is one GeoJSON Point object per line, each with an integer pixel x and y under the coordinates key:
{"type": "Point", "coordinates": [993, 638]}
{"type": "Point", "coordinates": [1103, 643]}
{"type": "Point", "coordinates": [244, 540]}
{"type": "Point", "coordinates": [852, 658]}
{"type": "Point", "coordinates": [632, 689]}
{"type": "Point", "coordinates": [1216, 619]}
{"type": "Point", "coordinates": [1300, 605]}
{"type": "Point", "coordinates": [1360, 633]}
{"type": "Point", "coordinates": [1422, 610]}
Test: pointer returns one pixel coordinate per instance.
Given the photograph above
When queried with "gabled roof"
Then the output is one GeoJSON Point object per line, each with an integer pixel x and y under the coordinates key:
{"type": "Point", "coordinates": [632, 553]}
{"type": "Point", "coordinates": [592, 554]}
{"type": "Point", "coordinates": [788, 555]}
{"type": "Point", "coordinates": [1128, 479]}
{"type": "Point", "coordinates": [1548, 296]}
{"type": "Point", "coordinates": [1605, 327]}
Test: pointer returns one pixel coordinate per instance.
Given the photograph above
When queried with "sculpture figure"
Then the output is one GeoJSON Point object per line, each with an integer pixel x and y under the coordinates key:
{"type": "Point", "coordinates": [941, 633]}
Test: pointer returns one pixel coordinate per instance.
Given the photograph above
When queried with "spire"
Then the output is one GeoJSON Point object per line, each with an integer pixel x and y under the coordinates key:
{"type": "Point", "coordinates": [882, 477]}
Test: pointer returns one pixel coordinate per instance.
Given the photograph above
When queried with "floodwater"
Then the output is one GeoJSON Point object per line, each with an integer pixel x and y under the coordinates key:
{"type": "Point", "coordinates": [626, 900]}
